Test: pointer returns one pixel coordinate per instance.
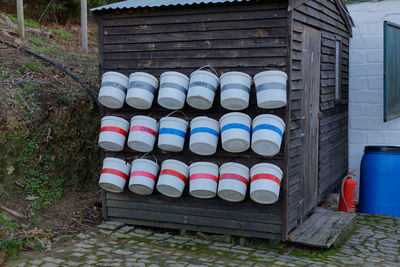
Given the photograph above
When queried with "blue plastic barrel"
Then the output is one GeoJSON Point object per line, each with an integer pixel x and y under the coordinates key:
{"type": "Point", "coordinates": [380, 181]}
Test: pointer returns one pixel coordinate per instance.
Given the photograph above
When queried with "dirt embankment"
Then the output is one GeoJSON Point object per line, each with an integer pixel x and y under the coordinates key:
{"type": "Point", "coordinates": [48, 132]}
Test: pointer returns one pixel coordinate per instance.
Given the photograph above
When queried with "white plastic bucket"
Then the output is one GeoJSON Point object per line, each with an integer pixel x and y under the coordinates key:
{"type": "Point", "coordinates": [265, 183]}
{"type": "Point", "coordinates": [235, 132]}
{"type": "Point", "coordinates": [173, 177]}
{"type": "Point", "coordinates": [173, 89]}
{"type": "Point", "coordinates": [143, 176]}
{"type": "Point", "coordinates": [204, 135]}
{"type": "Point", "coordinates": [141, 89]}
{"type": "Point", "coordinates": [114, 174]}
{"type": "Point", "coordinates": [113, 133]}
{"type": "Point", "coordinates": [172, 134]}
{"type": "Point", "coordinates": [202, 87]}
{"type": "Point", "coordinates": [142, 133]}
{"type": "Point", "coordinates": [233, 180]}
{"type": "Point", "coordinates": [203, 179]}
{"type": "Point", "coordinates": [235, 90]}
{"type": "Point", "coordinates": [267, 134]}
{"type": "Point", "coordinates": [271, 89]}
{"type": "Point", "coordinates": [113, 89]}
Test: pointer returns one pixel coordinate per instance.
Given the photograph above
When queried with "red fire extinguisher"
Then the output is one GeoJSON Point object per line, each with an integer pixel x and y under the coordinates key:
{"type": "Point", "coordinates": [348, 190]}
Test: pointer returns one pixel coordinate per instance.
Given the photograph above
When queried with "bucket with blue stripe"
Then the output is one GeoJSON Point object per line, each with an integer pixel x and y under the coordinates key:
{"type": "Point", "coordinates": [141, 89]}
{"type": "Point", "coordinates": [204, 135]}
{"type": "Point", "coordinates": [202, 87]}
{"type": "Point", "coordinates": [267, 134]}
{"type": "Point", "coordinates": [235, 132]}
{"type": "Point", "coordinates": [113, 89]}
{"type": "Point", "coordinates": [173, 89]}
{"type": "Point", "coordinates": [172, 133]}
{"type": "Point", "coordinates": [271, 89]}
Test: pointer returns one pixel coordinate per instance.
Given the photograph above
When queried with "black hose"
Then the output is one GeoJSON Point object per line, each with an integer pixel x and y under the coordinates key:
{"type": "Point", "coordinates": [58, 65]}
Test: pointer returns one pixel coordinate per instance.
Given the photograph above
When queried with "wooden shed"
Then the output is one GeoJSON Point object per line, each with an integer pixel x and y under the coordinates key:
{"type": "Point", "coordinates": [308, 39]}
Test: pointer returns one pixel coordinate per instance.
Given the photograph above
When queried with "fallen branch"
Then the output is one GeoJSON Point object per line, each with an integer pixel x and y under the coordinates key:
{"type": "Point", "coordinates": [77, 222]}
{"type": "Point", "coordinates": [13, 212]}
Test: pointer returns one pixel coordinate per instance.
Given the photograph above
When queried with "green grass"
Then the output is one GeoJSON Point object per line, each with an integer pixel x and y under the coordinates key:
{"type": "Point", "coordinates": [278, 248]}
{"type": "Point", "coordinates": [12, 241]}
{"type": "Point", "coordinates": [314, 254]}
{"type": "Point", "coordinates": [38, 44]}
{"type": "Point", "coordinates": [34, 66]}
{"type": "Point", "coordinates": [27, 21]}
{"type": "Point", "coordinates": [63, 34]}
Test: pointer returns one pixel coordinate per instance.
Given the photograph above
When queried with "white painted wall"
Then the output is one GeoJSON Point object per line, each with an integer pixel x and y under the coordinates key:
{"type": "Point", "coordinates": [366, 126]}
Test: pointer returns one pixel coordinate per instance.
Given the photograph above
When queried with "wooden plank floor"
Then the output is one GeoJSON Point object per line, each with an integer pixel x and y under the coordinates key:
{"type": "Point", "coordinates": [324, 229]}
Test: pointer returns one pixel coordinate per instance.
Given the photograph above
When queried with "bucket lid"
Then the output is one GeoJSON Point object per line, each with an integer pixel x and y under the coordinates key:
{"type": "Point", "coordinates": [231, 164]}
{"type": "Point", "coordinates": [174, 119]}
{"type": "Point", "coordinates": [145, 161]}
{"type": "Point", "coordinates": [269, 116]}
{"type": "Point", "coordinates": [204, 72]}
{"type": "Point", "coordinates": [116, 74]}
{"type": "Point", "coordinates": [144, 118]}
{"type": "Point", "coordinates": [235, 114]}
{"type": "Point", "coordinates": [392, 149]}
{"type": "Point", "coordinates": [139, 73]}
{"type": "Point", "coordinates": [203, 163]}
{"type": "Point", "coordinates": [174, 161]}
{"type": "Point", "coordinates": [175, 73]}
{"type": "Point", "coordinates": [266, 165]}
{"type": "Point", "coordinates": [115, 118]}
{"type": "Point", "coordinates": [236, 73]}
{"type": "Point", "coordinates": [117, 160]}
{"type": "Point", "coordinates": [204, 118]}
{"type": "Point", "coordinates": [270, 72]}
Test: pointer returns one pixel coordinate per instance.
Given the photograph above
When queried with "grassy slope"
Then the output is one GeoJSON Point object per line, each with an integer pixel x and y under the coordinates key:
{"type": "Point", "coordinates": [48, 129]}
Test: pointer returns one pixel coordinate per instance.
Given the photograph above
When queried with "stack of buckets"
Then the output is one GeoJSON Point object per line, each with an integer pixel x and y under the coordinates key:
{"type": "Point", "coordinates": [238, 133]}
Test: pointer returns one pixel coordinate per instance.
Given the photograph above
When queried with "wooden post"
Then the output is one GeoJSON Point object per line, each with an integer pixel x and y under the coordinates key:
{"type": "Point", "coordinates": [84, 26]}
{"type": "Point", "coordinates": [20, 17]}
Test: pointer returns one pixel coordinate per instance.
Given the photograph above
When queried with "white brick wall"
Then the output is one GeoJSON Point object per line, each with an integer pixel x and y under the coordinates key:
{"type": "Point", "coordinates": [366, 126]}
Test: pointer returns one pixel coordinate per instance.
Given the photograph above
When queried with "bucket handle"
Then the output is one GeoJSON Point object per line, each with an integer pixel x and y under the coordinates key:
{"type": "Point", "coordinates": [149, 153]}
{"type": "Point", "coordinates": [273, 67]}
{"type": "Point", "coordinates": [184, 115]}
{"type": "Point", "coordinates": [209, 66]}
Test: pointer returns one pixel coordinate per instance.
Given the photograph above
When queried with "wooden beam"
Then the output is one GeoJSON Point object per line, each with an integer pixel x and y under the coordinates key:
{"type": "Point", "coordinates": [293, 4]}
{"type": "Point", "coordinates": [84, 26]}
{"type": "Point", "coordinates": [20, 17]}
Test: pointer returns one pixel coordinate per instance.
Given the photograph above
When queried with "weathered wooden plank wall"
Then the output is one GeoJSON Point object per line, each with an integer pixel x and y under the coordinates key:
{"type": "Point", "coordinates": [242, 37]}
{"type": "Point", "coordinates": [323, 15]}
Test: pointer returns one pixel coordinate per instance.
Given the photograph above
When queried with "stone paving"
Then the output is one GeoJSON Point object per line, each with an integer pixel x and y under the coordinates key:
{"type": "Point", "coordinates": [375, 242]}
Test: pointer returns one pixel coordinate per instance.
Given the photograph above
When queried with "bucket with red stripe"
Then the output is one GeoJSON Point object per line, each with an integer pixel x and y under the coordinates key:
{"type": "Point", "coordinates": [265, 183]}
{"type": "Point", "coordinates": [143, 176]}
{"type": "Point", "coordinates": [114, 174]}
{"type": "Point", "coordinates": [233, 180]}
{"type": "Point", "coordinates": [173, 177]}
{"type": "Point", "coordinates": [203, 179]}
{"type": "Point", "coordinates": [142, 133]}
{"type": "Point", "coordinates": [113, 133]}
{"type": "Point", "coordinates": [113, 89]}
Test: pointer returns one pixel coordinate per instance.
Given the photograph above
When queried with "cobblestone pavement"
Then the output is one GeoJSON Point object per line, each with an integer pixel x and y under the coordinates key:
{"type": "Point", "coordinates": [375, 242]}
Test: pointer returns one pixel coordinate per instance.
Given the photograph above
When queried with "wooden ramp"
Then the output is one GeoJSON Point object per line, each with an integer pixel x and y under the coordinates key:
{"type": "Point", "coordinates": [324, 229]}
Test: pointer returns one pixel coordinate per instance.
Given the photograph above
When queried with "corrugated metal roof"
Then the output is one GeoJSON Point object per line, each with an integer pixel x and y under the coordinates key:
{"type": "Point", "coordinates": [158, 3]}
